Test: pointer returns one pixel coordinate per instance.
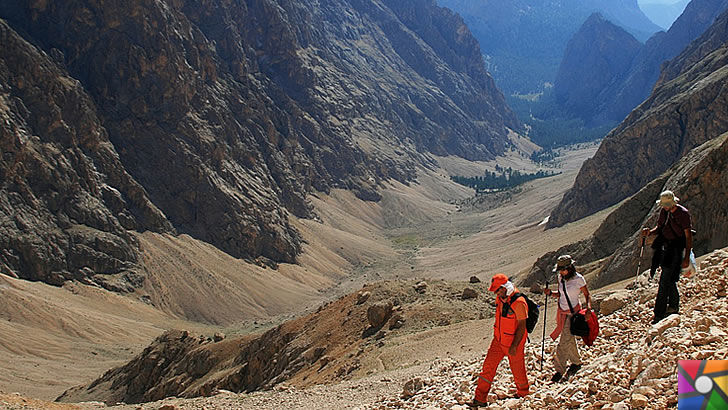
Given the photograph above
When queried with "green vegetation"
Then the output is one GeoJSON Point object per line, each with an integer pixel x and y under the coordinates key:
{"type": "Point", "coordinates": [543, 156]}
{"type": "Point", "coordinates": [504, 179]}
{"type": "Point", "coordinates": [559, 132]}
{"type": "Point", "coordinates": [548, 129]}
{"type": "Point", "coordinates": [407, 240]}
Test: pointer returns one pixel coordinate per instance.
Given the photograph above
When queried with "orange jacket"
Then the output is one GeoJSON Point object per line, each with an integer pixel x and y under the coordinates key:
{"type": "Point", "coordinates": [505, 326]}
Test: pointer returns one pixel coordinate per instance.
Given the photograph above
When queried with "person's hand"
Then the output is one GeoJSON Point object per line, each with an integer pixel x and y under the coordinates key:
{"type": "Point", "coordinates": [512, 350]}
{"type": "Point", "coordinates": [645, 232]}
{"type": "Point", "coordinates": [547, 291]}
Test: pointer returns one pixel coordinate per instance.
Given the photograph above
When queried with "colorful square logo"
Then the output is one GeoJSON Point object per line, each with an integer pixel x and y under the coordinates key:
{"type": "Point", "coordinates": [702, 384]}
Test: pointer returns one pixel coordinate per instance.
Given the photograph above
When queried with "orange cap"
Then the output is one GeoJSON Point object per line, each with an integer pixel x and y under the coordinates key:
{"type": "Point", "coordinates": [498, 280]}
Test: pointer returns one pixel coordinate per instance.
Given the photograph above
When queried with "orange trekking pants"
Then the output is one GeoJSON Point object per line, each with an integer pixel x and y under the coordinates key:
{"type": "Point", "coordinates": [496, 352]}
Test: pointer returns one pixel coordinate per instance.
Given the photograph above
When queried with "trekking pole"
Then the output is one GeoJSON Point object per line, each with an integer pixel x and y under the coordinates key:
{"type": "Point", "coordinates": [543, 337]}
{"type": "Point", "coordinates": [642, 251]}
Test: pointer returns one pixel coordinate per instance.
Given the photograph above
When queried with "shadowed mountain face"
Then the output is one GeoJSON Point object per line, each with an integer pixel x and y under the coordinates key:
{"type": "Point", "coordinates": [596, 57]}
{"type": "Point", "coordinates": [525, 39]}
{"type": "Point", "coordinates": [681, 114]}
{"type": "Point", "coordinates": [629, 85]}
{"type": "Point", "coordinates": [216, 120]}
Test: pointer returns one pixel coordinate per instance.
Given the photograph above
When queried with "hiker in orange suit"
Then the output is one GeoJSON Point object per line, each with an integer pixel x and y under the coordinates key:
{"type": "Point", "coordinates": [509, 339]}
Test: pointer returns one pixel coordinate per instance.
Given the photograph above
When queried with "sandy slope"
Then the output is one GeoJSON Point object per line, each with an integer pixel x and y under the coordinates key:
{"type": "Point", "coordinates": [54, 338]}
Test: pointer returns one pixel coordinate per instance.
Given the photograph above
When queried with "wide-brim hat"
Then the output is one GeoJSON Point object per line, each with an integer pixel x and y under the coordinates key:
{"type": "Point", "coordinates": [667, 199]}
{"type": "Point", "coordinates": [563, 261]}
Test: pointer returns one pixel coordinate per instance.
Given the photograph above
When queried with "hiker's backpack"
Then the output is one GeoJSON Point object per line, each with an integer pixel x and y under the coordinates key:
{"type": "Point", "coordinates": [532, 311]}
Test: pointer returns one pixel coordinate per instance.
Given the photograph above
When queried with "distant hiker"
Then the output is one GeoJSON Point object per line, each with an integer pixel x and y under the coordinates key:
{"type": "Point", "coordinates": [674, 231]}
{"type": "Point", "coordinates": [571, 283]}
{"type": "Point", "coordinates": [509, 339]}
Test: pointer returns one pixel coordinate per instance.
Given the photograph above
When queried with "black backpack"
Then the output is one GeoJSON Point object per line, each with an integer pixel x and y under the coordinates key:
{"type": "Point", "coordinates": [532, 311]}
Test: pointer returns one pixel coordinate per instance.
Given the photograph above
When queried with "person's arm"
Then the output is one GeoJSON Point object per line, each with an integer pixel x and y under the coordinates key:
{"type": "Point", "coordinates": [520, 331]}
{"type": "Point", "coordinates": [688, 247]}
{"type": "Point", "coordinates": [660, 221]}
{"type": "Point", "coordinates": [549, 292]}
{"type": "Point", "coordinates": [587, 297]}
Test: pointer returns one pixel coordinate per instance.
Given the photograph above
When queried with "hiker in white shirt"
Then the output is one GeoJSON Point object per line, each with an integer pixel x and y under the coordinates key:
{"type": "Point", "coordinates": [574, 283]}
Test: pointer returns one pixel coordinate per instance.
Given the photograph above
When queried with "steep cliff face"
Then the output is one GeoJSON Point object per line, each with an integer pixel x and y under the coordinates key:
{"type": "Point", "coordinates": [701, 178]}
{"type": "Point", "coordinates": [222, 116]}
{"type": "Point", "coordinates": [598, 55]}
{"type": "Point", "coordinates": [618, 97]}
{"type": "Point", "coordinates": [679, 115]}
{"type": "Point", "coordinates": [697, 17]}
{"type": "Point", "coordinates": [66, 199]}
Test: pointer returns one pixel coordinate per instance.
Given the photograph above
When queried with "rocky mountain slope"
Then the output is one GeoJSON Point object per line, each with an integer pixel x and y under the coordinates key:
{"type": "Point", "coordinates": [681, 114]}
{"type": "Point", "coordinates": [66, 199]}
{"type": "Point", "coordinates": [217, 119]}
{"type": "Point", "coordinates": [631, 365]}
{"type": "Point", "coordinates": [524, 40]}
{"type": "Point", "coordinates": [618, 97]}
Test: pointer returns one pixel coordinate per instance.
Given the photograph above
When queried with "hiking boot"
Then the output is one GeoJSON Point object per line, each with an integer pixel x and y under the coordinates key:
{"type": "Point", "coordinates": [474, 404]}
{"type": "Point", "coordinates": [657, 319]}
{"type": "Point", "coordinates": [671, 311]}
{"type": "Point", "coordinates": [573, 369]}
{"type": "Point", "coordinates": [556, 377]}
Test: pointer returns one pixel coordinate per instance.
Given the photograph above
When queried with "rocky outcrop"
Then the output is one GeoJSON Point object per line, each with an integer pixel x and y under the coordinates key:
{"type": "Point", "coordinates": [679, 115]}
{"type": "Point", "coordinates": [161, 357]}
{"type": "Point", "coordinates": [598, 55]}
{"type": "Point", "coordinates": [216, 119]}
{"type": "Point", "coordinates": [379, 313]}
{"type": "Point", "coordinates": [616, 98]}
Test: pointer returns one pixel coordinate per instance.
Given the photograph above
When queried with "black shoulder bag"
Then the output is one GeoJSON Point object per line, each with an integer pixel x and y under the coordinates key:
{"type": "Point", "coordinates": [577, 322]}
